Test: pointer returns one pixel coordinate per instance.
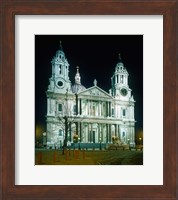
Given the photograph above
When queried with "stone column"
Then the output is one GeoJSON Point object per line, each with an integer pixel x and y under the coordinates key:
{"type": "Point", "coordinates": [80, 106]}
{"type": "Point", "coordinates": [77, 128]}
{"type": "Point", "coordinates": [97, 108]}
{"type": "Point", "coordinates": [70, 132]}
{"type": "Point", "coordinates": [80, 131]}
{"type": "Point", "coordinates": [106, 133]}
{"type": "Point", "coordinates": [109, 132]}
{"type": "Point", "coordinates": [116, 129]}
{"type": "Point", "coordinates": [106, 108]}
{"type": "Point", "coordinates": [89, 133]}
{"type": "Point", "coordinates": [110, 113]}
{"type": "Point", "coordinates": [89, 107]}
{"type": "Point", "coordinates": [99, 132]}
{"type": "Point", "coordinates": [48, 106]}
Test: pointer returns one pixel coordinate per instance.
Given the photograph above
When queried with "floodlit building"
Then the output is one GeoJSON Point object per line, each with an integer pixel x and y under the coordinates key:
{"type": "Point", "coordinates": [88, 115]}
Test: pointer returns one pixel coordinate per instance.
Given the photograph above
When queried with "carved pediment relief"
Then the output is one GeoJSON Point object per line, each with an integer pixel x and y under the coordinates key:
{"type": "Point", "coordinates": [95, 91]}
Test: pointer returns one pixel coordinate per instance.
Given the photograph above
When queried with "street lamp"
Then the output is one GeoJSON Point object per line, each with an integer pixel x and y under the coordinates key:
{"type": "Point", "coordinates": [140, 140]}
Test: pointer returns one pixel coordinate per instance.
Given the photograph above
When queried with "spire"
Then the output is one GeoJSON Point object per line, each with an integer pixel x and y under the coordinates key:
{"type": "Point", "coordinates": [77, 76]}
{"type": "Point", "coordinates": [60, 46]}
{"type": "Point", "coordinates": [77, 70]}
{"type": "Point", "coordinates": [120, 64]}
{"type": "Point", "coordinates": [120, 59]}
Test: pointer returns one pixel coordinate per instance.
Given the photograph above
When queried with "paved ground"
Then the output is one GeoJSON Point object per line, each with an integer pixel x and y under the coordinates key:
{"type": "Point", "coordinates": [76, 157]}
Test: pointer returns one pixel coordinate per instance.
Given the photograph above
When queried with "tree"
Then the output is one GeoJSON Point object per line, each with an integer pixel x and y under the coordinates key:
{"type": "Point", "coordinates": [68, 116]}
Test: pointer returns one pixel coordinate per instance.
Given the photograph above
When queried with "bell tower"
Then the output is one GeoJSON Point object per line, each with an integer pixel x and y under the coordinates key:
{"type": "Point", "coordinates": [124, 103]}
{"type": "Point", "coordinates": [119, 81]}
{"type": "Point", "coordinates": [59, 81]}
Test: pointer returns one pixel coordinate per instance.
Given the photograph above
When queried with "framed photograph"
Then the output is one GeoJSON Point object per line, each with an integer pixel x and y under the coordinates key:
{"type": "Point", "coordinates": [29, 32]}
{"type": "Point", "coordinates": [86, 113]}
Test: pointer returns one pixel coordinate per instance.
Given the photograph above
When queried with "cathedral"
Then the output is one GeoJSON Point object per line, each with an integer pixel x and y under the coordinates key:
{"type": "Point", "coordinates": [89, 116]}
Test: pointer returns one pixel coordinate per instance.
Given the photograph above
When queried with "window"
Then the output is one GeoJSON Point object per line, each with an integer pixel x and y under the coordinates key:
{"type": "Point", "coordinates": [112, 112]}
{"type": "Point", "coordinates": [93, 110]}
{"type": "Point", "coordinates": [74, 109]}
{"type": "Point", "coordinates": [123, 112]}
{"type": "Point", "coordinates": [60, 69]}
{"type": "Point", "coordinates": [60, 132]}
{"type": "Point", "coordinates": [122, 77]}
{"type": "Point", "coordinates": [60, 107]}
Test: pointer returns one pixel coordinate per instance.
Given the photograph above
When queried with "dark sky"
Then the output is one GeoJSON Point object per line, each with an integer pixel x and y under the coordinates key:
{"type": "Point", "coordinates": [97, 56]}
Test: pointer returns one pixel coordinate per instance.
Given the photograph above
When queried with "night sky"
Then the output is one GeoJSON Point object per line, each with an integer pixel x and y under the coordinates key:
{"type": "Point", "coordinates": [97, 56]}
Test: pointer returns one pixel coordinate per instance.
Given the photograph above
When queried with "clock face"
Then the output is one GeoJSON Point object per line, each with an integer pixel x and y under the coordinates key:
{"type": "Point", "coordinates": [123, 92]}
{"type": "Point", "coordinates": [60, 84]}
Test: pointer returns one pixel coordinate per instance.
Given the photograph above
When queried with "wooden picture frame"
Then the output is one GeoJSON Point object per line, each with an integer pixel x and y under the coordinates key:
{"type": "Point", "coordinates": [8, 10]}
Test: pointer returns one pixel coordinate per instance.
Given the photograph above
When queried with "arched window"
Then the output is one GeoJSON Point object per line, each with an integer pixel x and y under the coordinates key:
{"type": "Point", "coordinates": [60, 132]}
{"type": "Point", "coordinates": [123, 112]}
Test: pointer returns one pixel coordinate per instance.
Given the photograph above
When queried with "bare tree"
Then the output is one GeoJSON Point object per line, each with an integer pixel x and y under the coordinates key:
{"type": "Point", "coordinates": [68, 116]}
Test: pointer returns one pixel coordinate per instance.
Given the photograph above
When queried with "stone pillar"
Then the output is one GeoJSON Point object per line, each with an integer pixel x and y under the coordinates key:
{"type": "Point", "coordinates": [116, 130]}
{"type": "Point", "coordinates": [100, 108]}
{"type": "Point", "coordinates": [89, 140]}
{"type": "Point", "coordinates": [107, 133]}
{"type": "Point", "coordinates": [97, 108]}
{"type": "Point", "coordinates": [80, 131]}
{"type": "Point", "coordinates": [101, 113]}
{"type": "Point", "coordinates": [77, 128]}
{"type": "Point", "coordinates": [91, 135]}
{"type": "Point", "coordinates": [89, 107]}
{"type": "Point", "coordinates": [110, 113]}
{"type": "Point", "coordinates": [99, 132]}
{"type": "Point", "coordinates": [106, 108]}
{"type": "Point", "coordinates": [48, 106]}
{"type": "Point", "coordinates": [80, 106]}
{"type": "Point", "coordinates": [70, 132]}
{"type": "Point", "coordinates": [110, 135]}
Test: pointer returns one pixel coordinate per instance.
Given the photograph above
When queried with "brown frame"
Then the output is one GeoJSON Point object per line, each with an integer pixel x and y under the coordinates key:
{"type": "Point", "coordinates": [8, 10]}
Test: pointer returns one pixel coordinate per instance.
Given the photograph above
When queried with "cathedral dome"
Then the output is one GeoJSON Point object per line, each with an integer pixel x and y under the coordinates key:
{"type": "Point", "coordinates": [77, 87]}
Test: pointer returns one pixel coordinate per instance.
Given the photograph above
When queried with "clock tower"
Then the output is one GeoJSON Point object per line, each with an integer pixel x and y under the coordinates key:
{"type": "Point", "coordinates": [124, 103]}
{"type": "Point", "coordinates": [119, 82]}
{"type": "Point", "coordinates": [59, 81]}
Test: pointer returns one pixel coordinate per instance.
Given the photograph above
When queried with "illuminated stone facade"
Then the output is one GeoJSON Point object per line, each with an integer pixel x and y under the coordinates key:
{"type": "Point", "coordinates": [89, 114]}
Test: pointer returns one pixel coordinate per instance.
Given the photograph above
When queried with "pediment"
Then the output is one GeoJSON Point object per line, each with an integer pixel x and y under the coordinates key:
{"type": "Point", "coordinates": [95, 91]}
